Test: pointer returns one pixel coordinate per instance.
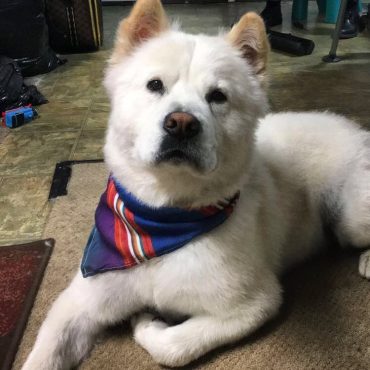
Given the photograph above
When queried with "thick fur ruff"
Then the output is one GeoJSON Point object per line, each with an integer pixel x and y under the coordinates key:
{"type": "Point", "coordinates": [293, 170]}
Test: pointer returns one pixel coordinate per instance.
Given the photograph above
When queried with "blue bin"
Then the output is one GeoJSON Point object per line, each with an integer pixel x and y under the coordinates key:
{"type": "Point", "coordinates": [329, 8]}
{"type": "Point", "coordinates": [332, 10]}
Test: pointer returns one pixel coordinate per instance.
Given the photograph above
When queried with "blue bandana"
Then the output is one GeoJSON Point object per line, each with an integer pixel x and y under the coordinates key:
{"type": "Point", "coordinates": [128, 232]}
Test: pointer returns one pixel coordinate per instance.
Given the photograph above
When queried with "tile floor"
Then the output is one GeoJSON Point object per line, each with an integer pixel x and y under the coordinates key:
{"type": "Point", "coordinates": [72, 124]}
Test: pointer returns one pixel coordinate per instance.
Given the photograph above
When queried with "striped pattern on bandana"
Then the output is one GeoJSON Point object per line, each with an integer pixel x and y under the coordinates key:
{"type": "Point", "coordinates": [128, 232]}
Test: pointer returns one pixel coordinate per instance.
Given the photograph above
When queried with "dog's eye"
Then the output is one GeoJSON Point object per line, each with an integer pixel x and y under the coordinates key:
{"type": "Point", "coordinates": [155, 86]}
{"type": "Point", "coordinates": [216, 96]}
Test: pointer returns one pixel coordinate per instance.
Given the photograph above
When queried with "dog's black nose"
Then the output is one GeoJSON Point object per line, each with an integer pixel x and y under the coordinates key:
{"type": "Point", "coordinates": [181, 125]}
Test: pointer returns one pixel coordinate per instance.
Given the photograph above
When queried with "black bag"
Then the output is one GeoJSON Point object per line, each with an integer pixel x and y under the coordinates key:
{"type": "Point", "coordinates": [75, 25]}
{"type": "Point", "coordinates": [290, 44]}
{"type": "Point", "coordinates": [24, 36]}
{"type": "Point", "coordinates": [13, 92]}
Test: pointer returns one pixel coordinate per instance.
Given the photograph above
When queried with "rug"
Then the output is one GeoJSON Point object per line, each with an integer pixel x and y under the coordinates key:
{"type": "Point", "coordinates": [323, 324]}
{"type": "Point", "coordinates": [21, 270]}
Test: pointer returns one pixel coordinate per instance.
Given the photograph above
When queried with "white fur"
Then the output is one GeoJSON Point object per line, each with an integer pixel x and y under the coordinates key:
{"type": "Point", "coordinates": [295, 167]}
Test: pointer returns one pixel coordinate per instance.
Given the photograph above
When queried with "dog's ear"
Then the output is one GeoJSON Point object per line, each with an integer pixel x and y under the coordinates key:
{"type": "Point", "coordinates": [249, 36]}
{"type": "Point", "coordinates": [147, 19]}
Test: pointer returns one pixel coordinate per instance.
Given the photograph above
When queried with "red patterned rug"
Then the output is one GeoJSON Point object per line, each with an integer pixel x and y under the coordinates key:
{"type": "Point", "coordinates": [21, 271]}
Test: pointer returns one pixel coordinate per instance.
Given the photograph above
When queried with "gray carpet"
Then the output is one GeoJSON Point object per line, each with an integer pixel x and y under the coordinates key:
{"type": "Point", "coordinates": [324, 323]}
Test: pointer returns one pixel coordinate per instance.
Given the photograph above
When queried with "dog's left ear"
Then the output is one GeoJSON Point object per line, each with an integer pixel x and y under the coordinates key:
{"type": "Point", "coordinates": [249, 36]}
{"type": "Point", "coordinates": [146, 20]}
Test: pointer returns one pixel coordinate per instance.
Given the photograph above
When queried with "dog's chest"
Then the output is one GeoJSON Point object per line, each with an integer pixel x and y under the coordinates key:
{"type": "Point", "coordinates": [207, 273]}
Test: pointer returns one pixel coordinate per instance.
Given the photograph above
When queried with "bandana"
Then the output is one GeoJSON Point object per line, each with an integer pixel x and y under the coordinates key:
{"type": "Point", "coordinates": [128, 232]}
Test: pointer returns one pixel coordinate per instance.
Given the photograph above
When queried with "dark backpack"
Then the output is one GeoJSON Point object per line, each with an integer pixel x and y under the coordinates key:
{"type": "Point", "coordinates": [13, 92]}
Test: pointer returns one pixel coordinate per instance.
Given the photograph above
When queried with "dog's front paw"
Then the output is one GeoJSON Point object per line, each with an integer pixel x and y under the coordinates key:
{"type": "Point", "coordinates": [152, 334]}
{"type": "Point", "coordinates": [146, 327]}
{"type": "Point", "coordinates": [364, 265]}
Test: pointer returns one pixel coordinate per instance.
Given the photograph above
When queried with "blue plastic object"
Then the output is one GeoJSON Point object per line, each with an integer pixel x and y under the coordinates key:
{"type": "Point", "coordinates": [19, 116]}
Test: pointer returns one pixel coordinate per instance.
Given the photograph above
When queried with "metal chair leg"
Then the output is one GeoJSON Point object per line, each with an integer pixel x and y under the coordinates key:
{"type": "Point", "coordinates": [332, 56]}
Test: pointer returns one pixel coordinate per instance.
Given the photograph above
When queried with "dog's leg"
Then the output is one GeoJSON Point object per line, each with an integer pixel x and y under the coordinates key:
{"type": "Point", "coordinates": [66, 335]}
{"type": "Point", "coordinates": [180, 344]}
{"type": "Point", "coordinates": [70, 327]}
{"type": "Point", "coordinates": [354, 224]}
{"type": "Point", "coordinates": [364, 265]}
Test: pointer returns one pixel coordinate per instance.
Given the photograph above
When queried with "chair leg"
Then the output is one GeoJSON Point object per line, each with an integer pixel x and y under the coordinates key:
{"type": "Point", "coordinates": [332, 56]}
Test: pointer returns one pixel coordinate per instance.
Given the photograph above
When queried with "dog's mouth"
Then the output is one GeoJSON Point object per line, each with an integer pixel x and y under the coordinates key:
{"type": "Point", "coordinates": [187, 153]}
{"type": "Point", "coordinates": [177, 157]}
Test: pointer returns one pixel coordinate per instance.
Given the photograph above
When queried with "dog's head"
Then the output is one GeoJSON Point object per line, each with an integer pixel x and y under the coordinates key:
{"type": "Point", "coordinates": [184, 107]}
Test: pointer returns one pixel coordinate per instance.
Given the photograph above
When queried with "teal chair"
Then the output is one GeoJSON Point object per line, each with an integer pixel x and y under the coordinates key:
{"type": "Point", "coordinates": [328, 7]}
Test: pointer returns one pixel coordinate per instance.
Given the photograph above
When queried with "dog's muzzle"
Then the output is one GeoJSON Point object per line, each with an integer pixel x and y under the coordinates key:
{"type": "Point", "coordinates": [181, 141]}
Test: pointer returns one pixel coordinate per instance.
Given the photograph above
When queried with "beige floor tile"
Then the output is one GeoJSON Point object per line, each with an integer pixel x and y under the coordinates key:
{"type": "Point", "coordinates": [59, 116]}
{"type": "Point", "coordinates": [34, 152]}
{"type": "Point", "coordinates": [23, 207]}
{"type": "Point", "coordinates": [97, 120]}
{"type": "Point", "coordinates": [89, 145]}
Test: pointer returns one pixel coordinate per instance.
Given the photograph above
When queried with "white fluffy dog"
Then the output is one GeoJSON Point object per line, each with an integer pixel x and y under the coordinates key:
{"type": "Point", "coordinates": [188, 128]}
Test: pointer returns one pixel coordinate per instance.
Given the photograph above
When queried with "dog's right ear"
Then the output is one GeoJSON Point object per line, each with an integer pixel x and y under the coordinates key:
{"type": "Point", "coordinates": [249, 36]}
{"type": "Point", "coordinates": [146, 20]}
